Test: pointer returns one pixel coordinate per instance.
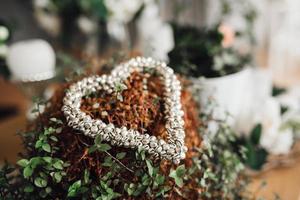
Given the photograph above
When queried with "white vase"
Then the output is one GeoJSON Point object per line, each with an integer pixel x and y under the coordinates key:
{"type": "Point", "coordinates": [31, 60]}
{"type": "Point", "coordinates": [237, 94]}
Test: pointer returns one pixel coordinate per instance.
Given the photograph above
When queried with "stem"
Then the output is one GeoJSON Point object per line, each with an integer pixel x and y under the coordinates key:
{"type": "Point", "coordinates": [118, 161]}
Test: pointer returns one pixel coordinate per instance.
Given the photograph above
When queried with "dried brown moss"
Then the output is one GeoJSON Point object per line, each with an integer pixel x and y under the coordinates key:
{"type": "Point", "coordinates": [139, 110]}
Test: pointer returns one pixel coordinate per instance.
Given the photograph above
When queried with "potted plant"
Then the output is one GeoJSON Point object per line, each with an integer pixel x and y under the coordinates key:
{"type": "Point", "coordinates": [212, 53]}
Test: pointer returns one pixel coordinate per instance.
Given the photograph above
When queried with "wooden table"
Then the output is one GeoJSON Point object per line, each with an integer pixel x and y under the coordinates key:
{"type": "Point", "coordinates": [283, 181]}
{"type": "Point", "coordinates": [10, 142]}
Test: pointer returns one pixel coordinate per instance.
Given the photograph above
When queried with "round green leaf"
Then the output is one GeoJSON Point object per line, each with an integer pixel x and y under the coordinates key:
{"type": "Point", "coordinates": [46, 147]}
{"type": "Point", "coordinates": [27, 172]}
{"type": "Point", "coordinates": [40, 182]}
{"type": "Point", "coordinates": [23, 162]}
{"type": "Point", "coordinates": [57, 177]}
{"type": "Point", "coordinates": [28, 189]}
{"type": "Point", "coordinates": [121, 155]}
{"type": "Point", "coordinates": [104, 147]}
{"type": "Point", "coordinates": [58, 165]}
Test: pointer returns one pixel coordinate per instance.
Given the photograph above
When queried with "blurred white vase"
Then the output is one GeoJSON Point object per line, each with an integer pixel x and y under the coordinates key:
{"type": "Point", "coordinates": [258, 88]}
{"type": "Point", "coordinates": [31, 60]}
{"type": "Point", "coordinates": [238, 94]}
{"type": "Point", "coordinates": [228, 91]}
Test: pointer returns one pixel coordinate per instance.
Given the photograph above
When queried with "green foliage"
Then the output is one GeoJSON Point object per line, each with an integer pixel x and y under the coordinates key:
{"type": "Point", "coordinates": [75, 189]}
{"type": "Point", "coordinates": [276, 91]}
{"type": "Point", "coordinates": [256, 134]}
{"type": "Point", "coordinates": [178, 175]}
{"type": "Point", "coordinates": [220, 162]}
{"type": "Point", "coordinates": [99, 146]}
{"type": "Point", "coordinates": [255, 155]}
{"type": "Point", "coordinates": [92, 8]}
{"type": "Point", "coordinates": [118, 89]}
{"type": "Point", "coordinates": [199, 52]}
{"type": "Point", "coordinates": [96, 8]}
{"type": "Point", "coordinates": [215, 170]}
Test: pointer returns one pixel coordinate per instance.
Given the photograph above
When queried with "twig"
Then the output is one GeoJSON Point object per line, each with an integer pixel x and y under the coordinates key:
{"type": "Point", "coordinates": [118, 161]}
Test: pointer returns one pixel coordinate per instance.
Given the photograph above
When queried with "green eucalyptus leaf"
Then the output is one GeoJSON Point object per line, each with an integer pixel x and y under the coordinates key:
{"type": "Point", "coordinates": [150, 167]}
{"type": "Point", "coordinates": [38, 144]}
{"type": "Point", "coordinates": [47, 159]}
{"type": "Point", "coordinates": [23, 162]}
{"type": "Point", "coordinates": [40, 182]}
{"type": "Point", "coordinates": [27, 172]}
{"type": "Point", "coordinates": [256, 134]}
{"type": "Point", "coordinates": [159, 179]}
{"type": "Point", "coordinates": [46, 147]}
{"type": "Point", "coordinates": [57, 176]}
{"type": "Point", "coordinates": [179, 181]}
{"type": "Point", "coordinates": [98, 140]}
{"type": "Point", "coordinates": [35, 161]}
{"type": "Point", "coordinates": [255, 156]}
{"type": "Point", "coordinates": [73, 189]}
{"type": "Point", "coordinates": [48, 190]}
{"type": "Point", "coordinates": [53, 138]}
{"type": "Point", "coordinates": [180, 171]}
{"type": "Point", "coordinates": [129, 188]}
{"type": "Point", "coordinates": [178, 174]}
{"type": "Point", "coordinates": [92, 149]}
{"type": "Point", "coordinates": [58, 165]}
{"type": "Point", "coordinates": [107, 161]}
{"type": "Point", "coordinates": [120, 155]}
{"type": "Point", "coordinates": [28, 189]}
{"type": "Point", "coordinates": [104, 147]}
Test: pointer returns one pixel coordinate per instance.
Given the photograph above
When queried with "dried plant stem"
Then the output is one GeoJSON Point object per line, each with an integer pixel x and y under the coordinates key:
{"type": "Point", "coordinates": [118, 161]}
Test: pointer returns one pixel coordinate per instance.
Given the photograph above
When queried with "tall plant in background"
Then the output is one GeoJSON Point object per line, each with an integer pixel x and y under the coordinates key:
{"type": "Point", "coordinates": [213, 51]}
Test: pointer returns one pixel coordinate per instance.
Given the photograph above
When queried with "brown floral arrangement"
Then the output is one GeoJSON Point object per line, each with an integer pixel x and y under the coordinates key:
{"type": "Point", "coordinates": [62, 163]}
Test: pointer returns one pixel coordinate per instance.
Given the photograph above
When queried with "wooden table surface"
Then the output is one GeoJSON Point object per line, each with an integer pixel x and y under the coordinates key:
{"type": "Point", "coordinates": [283, 181]}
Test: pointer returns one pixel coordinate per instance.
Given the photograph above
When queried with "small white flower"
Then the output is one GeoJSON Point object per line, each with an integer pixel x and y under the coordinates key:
{"type": "Point", "coordinates": [86, 25]}
{"type": "Point", "coordinates": [273, 139]}
{"type": "Point", "coordinates": [33, 115]}
{"type": "Point", "coordinates": [41, 3]}
{"type": "Point", "coordinates": [283, 142]}
{"type": "Point", "coordinates": [290, 100]}
{"type": "Point", "coordinates": [218, 63]}
{"type": "Point", "coordinates": [4, 33]}
{"type": "Point", "coordinates": [212, 128]}
{"type": "Point", "coordinates": [229, 58]}
{"type": "Point", "coordinates": [49, 22]}
{"type": "Point", "coordinates": [117, 30]}
{"type": "Point", "coordinates": [156, 37]}
{"type": "Point", "coordinates": [123, 10]}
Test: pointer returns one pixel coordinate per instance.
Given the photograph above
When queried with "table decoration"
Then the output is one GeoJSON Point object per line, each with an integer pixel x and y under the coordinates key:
{"type": "Point", "coordinates": [68, 159]}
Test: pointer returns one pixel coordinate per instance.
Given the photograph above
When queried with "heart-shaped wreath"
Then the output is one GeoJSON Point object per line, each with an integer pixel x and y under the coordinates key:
{"type": "Point", "coordinates": [172, 149]}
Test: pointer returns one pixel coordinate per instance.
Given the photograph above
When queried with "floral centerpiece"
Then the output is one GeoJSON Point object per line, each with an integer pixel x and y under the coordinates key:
{"type": "Point", "coordinates": [130, 134]}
